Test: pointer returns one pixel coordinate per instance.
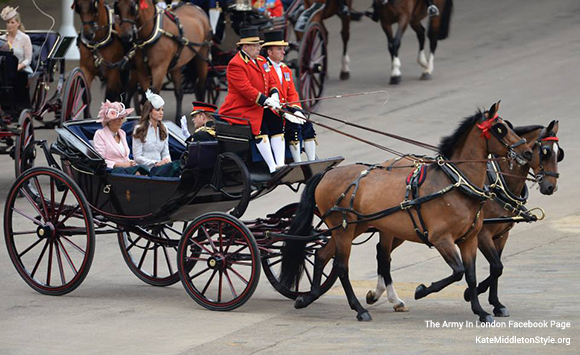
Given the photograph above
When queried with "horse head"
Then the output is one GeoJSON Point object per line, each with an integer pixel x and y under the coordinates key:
{"type": "Point", "coordinates": [505, 141]}
{"type": "Point", "coordinates": [128, 13]}
{"type": "Point", "coordinates": [547, 155]}
{"type": "Point", "coordinates": [88, 11]}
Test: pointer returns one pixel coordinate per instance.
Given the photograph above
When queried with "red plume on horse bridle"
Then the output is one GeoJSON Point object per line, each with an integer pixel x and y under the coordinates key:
{"type": "Point", "coordinates": [485, 126]}
{"type": "Point", "coordinates": [143, 4]}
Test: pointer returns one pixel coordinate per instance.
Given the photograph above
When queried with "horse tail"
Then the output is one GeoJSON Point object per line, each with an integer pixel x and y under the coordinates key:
{"type": "Point", "coordinates": [446, 20]}
{"type": "Point", "coordinates": [294, 251]}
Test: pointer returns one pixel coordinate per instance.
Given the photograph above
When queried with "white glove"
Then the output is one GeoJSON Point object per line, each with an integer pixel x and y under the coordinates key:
{"type": "Point", "coordinates": [184, 129]}
{"type": "Point", "coordinates": [273, 103]}
{"type": "Point", "coordinates": [294, 117]}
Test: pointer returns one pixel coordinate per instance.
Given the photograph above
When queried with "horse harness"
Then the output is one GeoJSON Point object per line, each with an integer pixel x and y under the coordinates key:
{"type": "Point", "coordinates": [158, 31]}
{"type": "Point", "coordinates": [96, 46]}
{"type": "Point", "coordinates": [414, 181]}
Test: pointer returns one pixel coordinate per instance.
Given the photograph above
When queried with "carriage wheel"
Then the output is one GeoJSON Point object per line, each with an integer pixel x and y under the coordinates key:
{"type": "Point", "coordinates": [153, 260]}
{"type": "Point", "coordinates": [212, 89]}
{"type": "Point", "coordinates": [25, 150]}
{"type": "Point", "coordinates": [219, 262]}
{"type": "Point", "coordinates": [49, 231]}
{"type": "Point", "coordinates": [312, 58]}
{"type": "Point", "coordinates": [76, 98]}
{"type": "Point", "coordinates": [271, 260]}
{"type": "Point", "coordinates": [230, 171]}
{"type": "Point", "coordinates": [40, 93]}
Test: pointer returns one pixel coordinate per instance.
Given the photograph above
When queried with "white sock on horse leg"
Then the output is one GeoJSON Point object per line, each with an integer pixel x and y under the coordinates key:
{"type": "Point", "coordinates": [310, 149]}
{"type": "Point", "coordinates": [380, 289]}
{"type": "Point", "coordinates": [430, 64]}
{"type": "Point", "coordinates": [279, 148]}
{"type": "Point", "coordinates": [295, 150]}
{"type": "Point", "coordinates": [345, 63]}
{"type": "Point", "coordinates": [396, 71]}
{"type": "Point", "coordinates": [265, 150]}
{"type": "Point", "coordinates": [422, 59]}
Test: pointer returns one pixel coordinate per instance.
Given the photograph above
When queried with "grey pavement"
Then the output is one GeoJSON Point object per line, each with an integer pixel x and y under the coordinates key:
{"type": "Point", "coordinates": [526, 53]}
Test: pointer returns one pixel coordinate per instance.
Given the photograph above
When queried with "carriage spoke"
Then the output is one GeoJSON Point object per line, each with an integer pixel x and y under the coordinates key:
{"type": "Point", "coordinates": [195, 258]}
{"type": "Point", "coordinates": [68, 215]}
{"type": "Point", "coordinates": [74, 245]}
{"type": "Point", "coordinates": [220, 286]}
{"type": "Point", "coordinates": [200, 245]}
{"type": "Point", "coordinates": [25, 193]}
{"type": "Point", "coordinates": [209, 238]}
{"type": "Point", "coordinates": [169, 267]}
{"type": "Point", "coordinates": [199, 273]}
{"type": "Point", "coordinates": [155, 259]}
{"type": "Point", "coordinates": [60, 266]}
{"type": "Point", "coordinates": [146, 249]}
{"type": "Point", "coordinates": [133, 243]}
{"type": "Point", "coordinates": [308, 274]}
{"type": "Point", "coordinates": [209, 281]}
{"type": "Point", "coordinates": [67, 256]}
{"type": "Point", "coordinates": [275, 262]}
{"type": "Point", "coordinates": [30, 247]}
{"type": "Point", "coordinates": [230, 284]}
{"type": "Point", "coordinates": [49, 268]}
{"type": "Point", "coordinates": [39, 189]}
{"type": "Point", "coordinates": [239, 276]}
{"type": "Point", "coordinates": [61, 205]}
{"type": "Point", "coordinates": [52, 199]}
{"type": "Point", "coordinates": [39, 259]}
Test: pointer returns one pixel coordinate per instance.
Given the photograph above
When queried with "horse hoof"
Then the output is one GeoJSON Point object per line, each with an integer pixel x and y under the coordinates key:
{"type": "Point", "coordinates": [466, 295]}
{"type": "Point", "coordinates": [501, 312]}
{"type": "Point", "coordinates": [344, 75]}
{"type": "Point", "coordinates": [486, 319]}
{"type": "Point", "coordinates": [401, 307]}
{"type": "Point", "coordinates": [301, 302]}
{"type": "Point", "coordinates": [364, 317]}
{"type": "Point", "coordinates": [371, 297]}
{"type": "Point", "coordinates": [395, 80]}
{"type": "Point", "coordinates": [426, 76]}
{"type": "Point", "coordinates": [420, 291]}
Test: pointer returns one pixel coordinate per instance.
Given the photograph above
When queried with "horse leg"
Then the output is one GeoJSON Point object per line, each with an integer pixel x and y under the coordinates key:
{"type": "Point", "coordinates": [345, 33]}
{"type": "Point", "coordinates": [420, 31]}
{"type": "Point", "coordinates": [384, 280]}
{"type": "Point", "coordinates": [343, 247]}
{"type": "Point", "coordinates": [323, 255]}
{"type": "Point", "coordinates": [394, 44]}
{"type": "Point", "coordinates": [114, 85]}
{"type": "Point", "coordinates": [468, 249]}
{"type": "Point", "coordinates": [201, 70]}
{"type": "Point", "coordinates": [498, 309]}
{"type": "Point", "coordinates": [176, 77]}
{"type": "Point", "coordinates": [447, 249]}
{"type": "Point", "coordinates": [433, 34]}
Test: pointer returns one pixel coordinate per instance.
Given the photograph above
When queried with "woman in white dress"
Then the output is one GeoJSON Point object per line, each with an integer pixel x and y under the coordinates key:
{"type": "Point", "coordinates": [151, 139]}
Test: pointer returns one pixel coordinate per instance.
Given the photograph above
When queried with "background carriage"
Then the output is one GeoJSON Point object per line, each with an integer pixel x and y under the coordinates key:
{"type": "Point", "coordinates": [70, 99]}
{"type": "Point", "coordinates": [167, 228]}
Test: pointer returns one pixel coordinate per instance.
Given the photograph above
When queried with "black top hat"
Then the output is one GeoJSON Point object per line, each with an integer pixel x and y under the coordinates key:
{"type": "Point", "coordinates": [274, 38]}
{"type": "Point", "coordinates": [249, 35]}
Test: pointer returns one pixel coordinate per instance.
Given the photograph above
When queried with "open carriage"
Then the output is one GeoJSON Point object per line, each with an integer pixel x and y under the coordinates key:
{"type": "Point", "coordinates": [167, 228]}
{"type": "Point", "coordinates": [19, 110]}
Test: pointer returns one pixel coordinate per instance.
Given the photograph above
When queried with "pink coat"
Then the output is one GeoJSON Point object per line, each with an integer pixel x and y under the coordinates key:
{"type": "Point", "coordinates": [106, 145]}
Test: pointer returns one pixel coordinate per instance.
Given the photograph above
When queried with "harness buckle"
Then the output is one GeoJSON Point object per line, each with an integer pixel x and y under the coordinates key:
{"type": "Point", "coordinates": [405, 205]}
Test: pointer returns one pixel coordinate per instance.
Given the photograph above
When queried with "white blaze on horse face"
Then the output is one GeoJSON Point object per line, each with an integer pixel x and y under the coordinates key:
{"type": "Point", "coordinates": [555, 149]}
{"type": "Point", "coordinates": [396, 71]}
{"type": "Point", "coordinates": [345, 63]}
{"type": "Point", "coordinates": [422, 59]}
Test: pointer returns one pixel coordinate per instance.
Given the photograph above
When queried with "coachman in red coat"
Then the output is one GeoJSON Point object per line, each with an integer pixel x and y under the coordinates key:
{"type": "Point", "coordinates": [275, 50]}
{"type": "Point", "coordinates": [249, 84]}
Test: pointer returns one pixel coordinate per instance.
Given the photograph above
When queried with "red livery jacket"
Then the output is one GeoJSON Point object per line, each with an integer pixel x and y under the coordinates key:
{"type": "Point", "coordinates": [286, 88]}
{"type": "Point", "coordinates": [249, 85]}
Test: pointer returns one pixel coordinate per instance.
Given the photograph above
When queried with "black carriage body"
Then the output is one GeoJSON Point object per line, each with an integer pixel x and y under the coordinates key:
{"type": "Point", "coordinates": [209, 182]}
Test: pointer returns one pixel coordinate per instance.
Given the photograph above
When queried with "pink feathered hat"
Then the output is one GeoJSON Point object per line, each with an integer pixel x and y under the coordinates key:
{"type": "Point", "coordinates": [112, 110]}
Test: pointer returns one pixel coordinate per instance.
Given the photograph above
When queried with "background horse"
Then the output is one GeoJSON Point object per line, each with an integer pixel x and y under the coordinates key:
{"type": "Point", "coordinates": [101, 51]}
{"type": "Point", "coordinates": [453, 218]}
{"type": "Point", "coordinates": [331, 8]}
{"type": "Point", "coordinates": [162, 48]}
{"type": "Point", "coordinates": [492, 237]}
{"type": "Point", "coordinates": [405, 12]}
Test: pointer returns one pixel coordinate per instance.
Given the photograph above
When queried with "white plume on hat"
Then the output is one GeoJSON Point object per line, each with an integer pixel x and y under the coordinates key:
{"type": "Point", "coordinates": [156, 101]}
{"type": "Point", "coordinates": [8, 12]}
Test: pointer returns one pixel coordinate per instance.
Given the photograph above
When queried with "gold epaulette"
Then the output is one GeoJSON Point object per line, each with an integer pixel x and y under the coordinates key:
{"type": "Point", "coordinates": [209, 130]}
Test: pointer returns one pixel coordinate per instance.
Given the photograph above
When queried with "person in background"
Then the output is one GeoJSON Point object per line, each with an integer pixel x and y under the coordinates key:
{"type": "Point", "coordinates": [151, 139]}
{"type": "Point", "coordinates": [16, 40]}
{"type": "Point", "coordinates": [249, 83]}
{"type": "Point", "coordinates": [202, 121]}
{"type": "Point", "coordinates": [275, 49]}
{"type": "Point", "coordinates": [111, 140]}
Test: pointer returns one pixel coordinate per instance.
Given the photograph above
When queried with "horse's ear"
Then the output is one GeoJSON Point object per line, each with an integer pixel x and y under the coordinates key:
{"type": "Point", "coordinates": [493, 110]}
{"type": "Point", "coordinates": [553, 127]}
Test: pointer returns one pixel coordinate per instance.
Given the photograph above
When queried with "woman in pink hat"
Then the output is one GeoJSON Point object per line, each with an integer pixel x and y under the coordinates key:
{"type": "Point", "coordinates": [111, 141]}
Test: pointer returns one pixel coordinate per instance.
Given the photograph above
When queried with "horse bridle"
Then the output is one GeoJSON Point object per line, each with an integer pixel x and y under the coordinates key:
{"type": "Point", "coordinates": [546, 152]}
{"type": "Point", "coordinates": [135, 13]}
{"type": "Point", "coordinates": [499, 131]}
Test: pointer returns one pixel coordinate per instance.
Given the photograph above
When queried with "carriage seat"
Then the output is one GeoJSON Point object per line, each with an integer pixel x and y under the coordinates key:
{"type": "Point", "coordinates": [43, 43]}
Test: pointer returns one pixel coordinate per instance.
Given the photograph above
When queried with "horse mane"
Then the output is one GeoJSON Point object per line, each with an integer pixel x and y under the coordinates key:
{"type": "Point", "coordinates": [448, 143]}
{"type": "Point", "coordinates": [526, 129]}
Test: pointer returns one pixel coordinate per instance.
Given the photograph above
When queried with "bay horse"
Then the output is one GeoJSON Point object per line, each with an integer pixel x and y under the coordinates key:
{"type": "Point", "coordinates": [510, 195]}
{"type": "Point", "coordinates": [411, 12]}
{"type": "Point", "coordinates": [329, 9]}
{"type": "Point", "coordinates": [353, 196]}
{"type": "Point", "coordinates": [101, 52]}
{"type": "Point", "coordinates": [168, 40]}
